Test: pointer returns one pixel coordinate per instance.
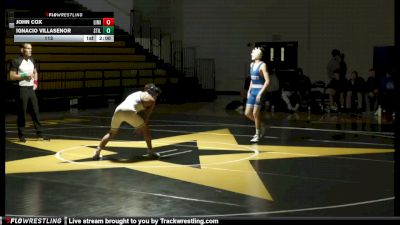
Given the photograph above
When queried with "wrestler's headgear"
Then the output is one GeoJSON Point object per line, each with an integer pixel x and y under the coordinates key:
{"type": "Point", "coordinates": [152, 89]}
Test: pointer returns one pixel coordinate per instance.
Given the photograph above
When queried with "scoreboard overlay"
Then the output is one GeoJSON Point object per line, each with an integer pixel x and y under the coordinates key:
{"type": "Point", "coordinates": [63, 27]}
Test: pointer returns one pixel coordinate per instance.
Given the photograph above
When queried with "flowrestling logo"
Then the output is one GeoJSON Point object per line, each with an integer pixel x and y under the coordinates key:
{"type": "Point", "coordinates": [63, 15]}
{"type": "Point", "coordinates": [34, 220]}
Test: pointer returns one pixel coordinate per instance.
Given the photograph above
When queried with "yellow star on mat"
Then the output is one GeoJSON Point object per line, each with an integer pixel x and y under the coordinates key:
{"type": "Point", "coordinates": [214, 171]}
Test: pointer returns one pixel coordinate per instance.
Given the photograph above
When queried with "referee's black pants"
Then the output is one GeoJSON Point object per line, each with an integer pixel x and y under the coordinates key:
{"type": "Point", "coordinates": [27, 93]}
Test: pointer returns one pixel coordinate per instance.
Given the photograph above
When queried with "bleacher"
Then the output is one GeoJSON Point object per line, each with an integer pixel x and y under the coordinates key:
{"type": "Point", "coordinates": [90, 72]}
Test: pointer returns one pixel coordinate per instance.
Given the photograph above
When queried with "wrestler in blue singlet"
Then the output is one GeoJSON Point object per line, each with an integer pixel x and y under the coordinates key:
{"type": "Point", "coordinates": [257, 80]}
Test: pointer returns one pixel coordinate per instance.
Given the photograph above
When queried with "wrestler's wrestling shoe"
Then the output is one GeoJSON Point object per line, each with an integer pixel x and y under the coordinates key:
{"type": "Point", "coordinates": [97, 156]}
{"type": "Point", "coordinates": [153, 155]}
{"type": "Point", "coordinates": [255, 139]}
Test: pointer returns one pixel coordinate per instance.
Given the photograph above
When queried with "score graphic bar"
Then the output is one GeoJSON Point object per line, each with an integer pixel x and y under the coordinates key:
{"type": "Point", "coordinates": [63, 38]}
{"type": "Point", "coordinates": [63, 27]}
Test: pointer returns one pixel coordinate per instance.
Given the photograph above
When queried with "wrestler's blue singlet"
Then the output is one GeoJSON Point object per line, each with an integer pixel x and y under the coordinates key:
{"type": "Point", "coordinates": [257, 81]}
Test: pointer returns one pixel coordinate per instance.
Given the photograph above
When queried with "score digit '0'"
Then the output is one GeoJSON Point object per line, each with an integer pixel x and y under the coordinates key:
{"type": "Point", "coordinates": [108, 21]}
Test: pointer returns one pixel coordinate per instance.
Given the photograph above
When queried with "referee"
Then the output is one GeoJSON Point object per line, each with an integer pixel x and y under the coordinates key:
{"type": "Point", "coordinates": [23, 69]}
